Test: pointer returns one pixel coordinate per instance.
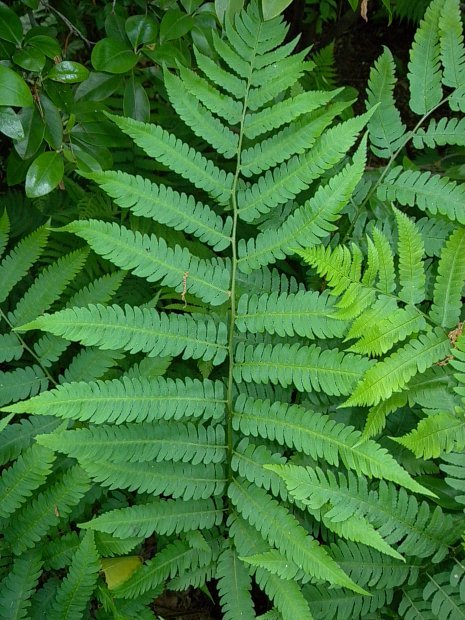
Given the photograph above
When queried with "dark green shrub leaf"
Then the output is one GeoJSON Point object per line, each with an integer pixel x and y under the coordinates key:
{"type": "Point", "coordinates": [53, 123]}
{"type": "Point", "coordinates": [43, 176]}
{"type": "Point", "coordinates": [30, 59]}
{"type": "Point", "coordinates": [97, 87]}
{"type": "Point", "coordinates": [113, 56]}
{"type": "Point", "coordinates": [141, 29]}
{"type": "Point", "coordinates": [13, 89]}
{"type": "Point", "coordinates": [47, 45]}
{"type": "Point", "coordinates": [68, 72]}
{"type": "Point", "coordinates": [174, 25]}
{"type": "Point", "coordinates": [34, 128]}
{"type": "Point", "coordinates": [10, 25]}
{"type": "Point", "coordinates": [136, 102]}
{"type": "Point", "coordinates": [10, 125]}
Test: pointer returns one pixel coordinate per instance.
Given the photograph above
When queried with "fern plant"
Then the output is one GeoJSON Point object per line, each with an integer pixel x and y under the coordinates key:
{"type": "Point", "coordinates": [216, 434]}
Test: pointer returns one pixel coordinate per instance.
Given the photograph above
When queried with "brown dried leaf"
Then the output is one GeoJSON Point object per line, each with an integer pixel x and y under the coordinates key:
{"type": "Point", "coordinates": [364, 9]}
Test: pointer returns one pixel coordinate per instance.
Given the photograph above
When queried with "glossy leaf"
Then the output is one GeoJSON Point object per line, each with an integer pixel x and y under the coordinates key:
{"type": "Point", "coordinates": [13, 89]}
{"type": "Point", "coordinates": [141, 29]}
{"type": "Point", "coordinates": [10, 125]}
{"type": "Point", "coordinates": [113, 56]}
{"type": "Point", "coordinates": [68, 72]}
{"type": "Point", "coordinates": [34, 128]}
{"type": "Point", "coordinates": [44, 174]}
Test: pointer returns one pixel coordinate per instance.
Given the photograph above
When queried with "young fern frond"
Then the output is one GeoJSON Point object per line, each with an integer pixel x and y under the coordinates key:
{"type": "Point", "coordinates": [385, 126]}
{"type": "Point", "coordinates": [425, 73]}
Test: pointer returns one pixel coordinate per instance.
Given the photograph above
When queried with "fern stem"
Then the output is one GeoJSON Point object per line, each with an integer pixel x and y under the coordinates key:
{"type": "Point", "coordinates": [29, 350]}
{"type": "Point", "coordinates": [408, 136]}
{"type": "Point", "coordinates": [234, 261]}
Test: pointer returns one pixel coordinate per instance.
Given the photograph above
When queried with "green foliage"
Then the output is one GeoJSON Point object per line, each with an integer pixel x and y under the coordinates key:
{"type": "Point", "coordinates": [235, 361]}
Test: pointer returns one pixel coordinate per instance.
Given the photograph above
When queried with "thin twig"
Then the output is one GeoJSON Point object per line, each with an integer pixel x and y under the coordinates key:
{"type": "Point", "coordinates": [70, 25]}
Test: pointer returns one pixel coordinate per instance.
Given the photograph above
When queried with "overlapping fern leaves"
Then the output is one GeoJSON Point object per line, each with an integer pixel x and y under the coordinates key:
{"type": "Point", "coordinates": [218, 433]}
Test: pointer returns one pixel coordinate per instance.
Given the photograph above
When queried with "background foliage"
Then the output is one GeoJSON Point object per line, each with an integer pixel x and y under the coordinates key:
{"type": "Point", "coordinates": [231, 312]}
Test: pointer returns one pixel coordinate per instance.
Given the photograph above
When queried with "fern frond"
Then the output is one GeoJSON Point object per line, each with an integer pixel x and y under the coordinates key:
{"type": "Point", "coordinates": [18, 585]}
{"type": "Point", "coordinates": [16, 437]}
{"type": "Point", "coordinates": [387, 131]}
{"type": "Point", "coordinates": [377, 415]}
{"type": "Point", "coordinates": [307, 368]}
{"type": "Point", "coordinates": [99, 291]}
{"type": "Point", "coordinates": [370, 568]}
{"type": "Point", "coordinates": [137, 329]}
{"type": "Point", "coordinates": [455, 474]}
{"type": "Point", "coordinates": [391, 329]}
{"type": "Point", "coordinates": [318, 436]}
{"type": "Point", "coordinates": [434, 232]}
{"type": "Point", "coordinates": [175, 558]}
{"type": "Point", "coordinates": [438, 133]}
{"type": "Point", "coordinates": [47, 287]}
{"type": "Point", "coordinates": [130, 400]}
{"type": "Point", "coordinates": [276, 78]}
{"type": "Point", "coordinates": [179, 157]}
{"type": "Point", "coordinates": [419, 530]}
{"type": "Point", "coordinates": [10, 347]}
{"type": "Point", "coordinates": [57, 554]}
{"type": "Point", "coordinates": [329, 604]}
{"type": "Point", "coordinates": [286, 596]}
{"type": "Point", "coordinates": [164, 516]}
{"type": "Point", "coordinates": [27, 473]}
{"type": "Point", "coordinates": [234, 586]}
{"type": "Point", "coordinates": [165, 205]}
{"type": "Point", "coordinates": [282, 530]}
{"type": "Point", "coordinates": [142, 442]}
{"type": "Point", "coordinates": [199, 119]}
{"type": "Point", "coordinates": [429, 192]}
{"type": "Point", "coordinates": [110, 546]}
{"type": "Point", "coordinates": [248, 461]}
{"type": "Point", "coordinates": [21, 383]}
{"type": "Point", "coordinates": [292, 140]}
{"type": "Point", "coordinates": [447, 297]}
{"type": "Point", "coordinates": [214, 100]}
{"type": "Point", "coordinates": [424, 68]}
{"type": "Point", "coordinates": [393, 373]}
{"type": "Point", "coordinates": [386, 273]}
{"type": "Point", "coordinates": [4, 231]}
{"type": "Point", "coordinates": [290, 178]}
{"type": "Point", "coordinates": [175, 479]}
{"type": "Point", "coordinates": [273, 117]}
{"type": "Point", "coordinates": [451, 44]}
{"type": "Point", "coordinates": [90, 364]}
{"type": "Point", "coordinates": [444, 598]}
{"type": "Point", "coordinates": [151, 258]}
{"type": "Point", "coordinates": [17, 263]}
{"type": "Point", "coordinates": [216, 74]}
{"type": "Point", "coordinates": [308, 224]}
{"type": "Point", "coordinates": [74, 592]}
{"type": "Point", "coordinates": [438, 432]}
{"type": "Point", "coordinates": [411, 268]}
{"type": "Point", "coordinates": [33, 521]}
{"type": "Point", "coordinates": [306, 313]}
